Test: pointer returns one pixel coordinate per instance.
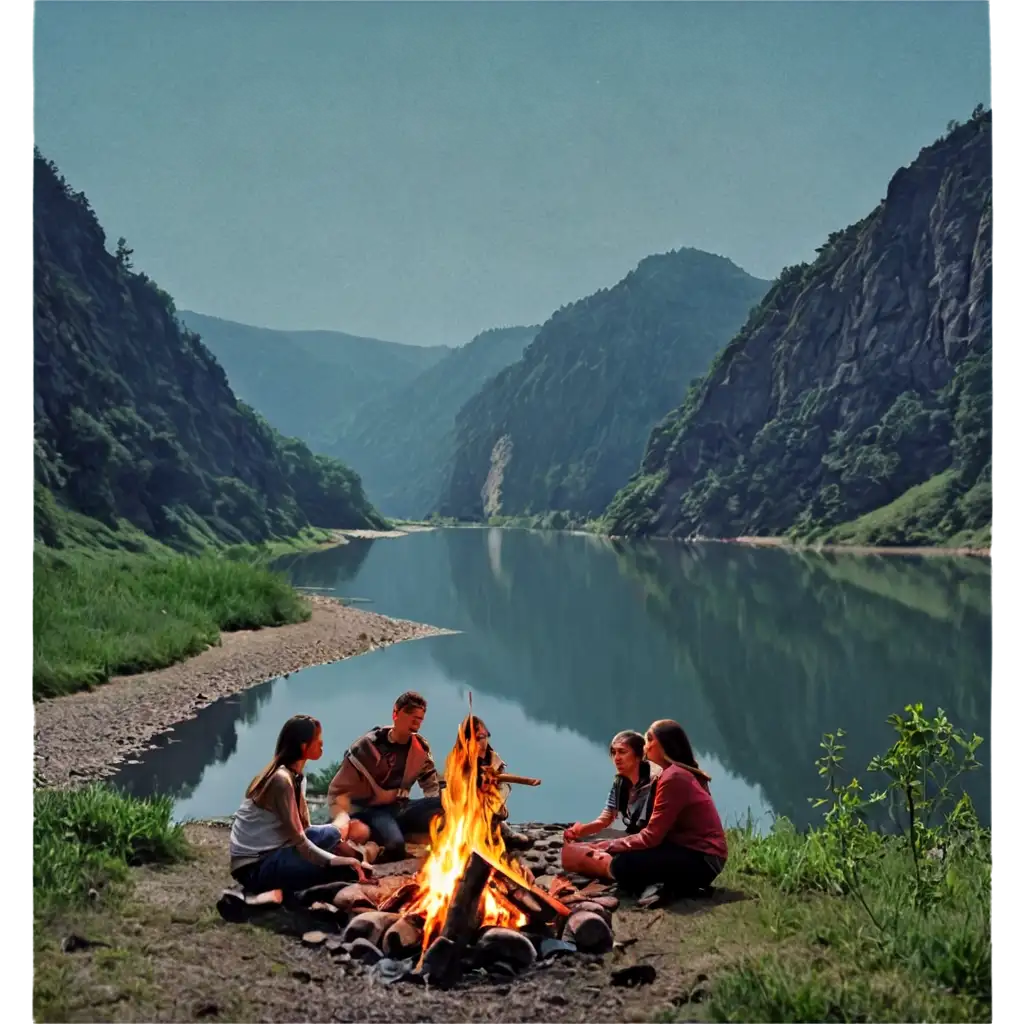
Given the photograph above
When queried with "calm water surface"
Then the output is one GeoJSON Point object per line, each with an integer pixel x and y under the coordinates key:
{"type": "Point", "coordinates": [567, 639]}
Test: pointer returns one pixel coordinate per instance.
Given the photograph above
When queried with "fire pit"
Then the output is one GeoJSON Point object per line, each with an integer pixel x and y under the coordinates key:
{"type": "Point", "coordinates": [470, 906]}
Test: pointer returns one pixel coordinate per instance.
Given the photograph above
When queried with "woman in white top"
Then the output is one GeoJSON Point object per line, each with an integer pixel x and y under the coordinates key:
{"type": "Point", "coordinates": [273, 845]}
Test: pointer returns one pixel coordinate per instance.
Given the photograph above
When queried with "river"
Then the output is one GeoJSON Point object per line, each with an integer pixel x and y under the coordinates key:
{"type": "Point", "coordinates": [566, 639]}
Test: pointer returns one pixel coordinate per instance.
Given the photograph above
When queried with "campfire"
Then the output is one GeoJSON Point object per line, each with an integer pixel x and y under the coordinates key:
{"type": "Point", "coordinates": [471, 905]}
{"type": "Point", "coordinates": [467, 827]}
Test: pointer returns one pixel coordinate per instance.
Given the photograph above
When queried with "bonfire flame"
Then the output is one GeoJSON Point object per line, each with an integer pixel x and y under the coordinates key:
{"type": "Point", "coordinates": [467, 825]}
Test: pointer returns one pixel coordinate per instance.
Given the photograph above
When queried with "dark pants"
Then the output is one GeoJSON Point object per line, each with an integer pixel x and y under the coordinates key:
{"type": "Point", "coordinates": [288, 869]}
{"type": "Point", "coordinates": [391, 823]}
{"type": "Point", "coordinates": [685, 872]}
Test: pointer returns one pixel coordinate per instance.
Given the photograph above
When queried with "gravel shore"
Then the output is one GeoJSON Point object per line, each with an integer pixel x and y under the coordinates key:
{"type": "Point", "coordinates": [84, 735]}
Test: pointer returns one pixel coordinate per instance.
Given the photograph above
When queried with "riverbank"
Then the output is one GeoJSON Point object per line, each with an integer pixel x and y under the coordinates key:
{"type": "Point", "coordinates": [759, 950]}
{"type": "Point", "coordinates": [85, 735]}
{"type": "Point", "coordinates": [859, 549]}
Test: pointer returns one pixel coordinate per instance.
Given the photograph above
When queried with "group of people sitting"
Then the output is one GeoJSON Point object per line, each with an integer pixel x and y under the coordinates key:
{"type": "Point", "coordinates": [673, 833]}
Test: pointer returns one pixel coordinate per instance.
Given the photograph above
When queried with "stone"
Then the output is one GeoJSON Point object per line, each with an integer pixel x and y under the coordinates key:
{"type": "Point", "coordinates": [314, 938]}
{"type": "Point", "coordinates": [504, 944]}
{"type": "Point", "coordinates": [353, 899]}
{"type": "Point", "coordinates": [550, 948]}
{"type": "Point", "coordinates": [371, 925]}
{"type": "Point", "coordinates": [589, 931]}
{"type": "Point", "coordinates": [610, 903]}
{"type": "Point", "coordinates": [404, 938]}
{"type": "Point", "coordinates": [594, 908]}
{"type": "Point", "coordinates": [364, 951]}
{"type": "Point", "coordinates": [501, 969]}
{"type": "Point", "coordinates": [438, 961]}
{"type": "Point", "coordinates": [637, 974]}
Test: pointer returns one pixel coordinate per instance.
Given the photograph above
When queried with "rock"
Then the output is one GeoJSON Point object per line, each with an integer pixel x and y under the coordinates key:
{"type": "Point", "coordinates": [303, 976]}
{"type": "Point", "coordinates": [72, 943]}
{"type": "Point", "coordinates": [501, 969]}
{"type": "Point", "coordinates": [590, 932]}
{"type": "Point", "coordinates": [353, 899]}
{"type": "Point", "coordinates": [404, 938]}
{"type": "Point", "coordinates": [555, 947]}
{"type": "Point", "coordinates": [593, 907]}
{"type": "Point", "coordinates": [438, 965]}
{"type": "Point", "coordinates": [610, 903]}
{"type": "Point", "coordinates": [364, 951]}
{"type": "Point", "coordinates": [314, 938]}
{"type": "Point", "coordinates": [556, 999]}
{"type": "Point", "coordinates": [637, 974]}
{"type": "Point", "coordinates": [371, 926]}
{"type": "Point", "coordinates": [504, 944]}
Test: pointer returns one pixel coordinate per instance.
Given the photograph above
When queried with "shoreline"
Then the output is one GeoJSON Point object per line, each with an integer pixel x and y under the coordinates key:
{"type": "Point", "coordinates": [85, 736]}
{"type": "Point", "coordinates": [855, 549]}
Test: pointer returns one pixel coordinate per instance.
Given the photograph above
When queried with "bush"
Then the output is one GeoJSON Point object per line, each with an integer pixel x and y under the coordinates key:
{"type": "Point", "coordinates": [86, 839]}
{"type": "Point", "coordinates": [98, 616]}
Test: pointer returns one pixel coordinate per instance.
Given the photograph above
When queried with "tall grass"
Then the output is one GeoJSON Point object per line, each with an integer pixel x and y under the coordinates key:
{"type": "Point", "coordinates": [101, 615]}
{"type": "Point", "coordinates": [905, 915]}
{"type": "Point", "coordinates": [88, 838]}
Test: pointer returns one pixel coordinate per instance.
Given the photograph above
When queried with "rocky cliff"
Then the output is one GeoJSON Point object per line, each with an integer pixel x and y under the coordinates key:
{"type": "Point", "coordinates": [402, 442]}
{"type": "Point", "coordinates": [134, 418]}
{"type": "Point", "coordinates": [564, 427]}
{"type": "Point", "coordinates": [855, 404]}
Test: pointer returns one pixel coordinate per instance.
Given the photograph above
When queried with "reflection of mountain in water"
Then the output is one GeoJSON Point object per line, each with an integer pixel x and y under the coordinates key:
{"type": "Point", "coordinates": [318, 569]}
{"type": "Point", "coordinates": [176, 767]}
{"type": "Point", "coordinates": [757, 652]}
{"type": "Point", "coordinates": [553, 626]}
{"type": "Point", "coordinates": [787, 647]}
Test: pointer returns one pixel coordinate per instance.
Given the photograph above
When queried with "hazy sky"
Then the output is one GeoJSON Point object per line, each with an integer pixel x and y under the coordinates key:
{"type": "Point", "coordinates": [421, 172]}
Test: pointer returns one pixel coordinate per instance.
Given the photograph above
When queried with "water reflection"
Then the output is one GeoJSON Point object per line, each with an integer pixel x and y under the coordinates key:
{"type": "Point", "coordinates": [567, 639]}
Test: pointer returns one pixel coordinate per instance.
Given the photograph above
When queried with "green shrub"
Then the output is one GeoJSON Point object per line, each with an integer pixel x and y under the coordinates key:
{"type": "Point", "coordinates": [100, 615]}
{"type": "Point", "coordinates": [87, 838]}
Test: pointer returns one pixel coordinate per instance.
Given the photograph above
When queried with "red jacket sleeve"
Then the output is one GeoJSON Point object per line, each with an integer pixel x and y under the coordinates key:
{"type": "Point", "coordinates": [671, 796]}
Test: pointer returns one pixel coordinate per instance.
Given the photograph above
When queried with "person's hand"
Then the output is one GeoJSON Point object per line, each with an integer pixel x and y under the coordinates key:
{"type": "Point", "coordinates": [572, 833]}
{"type": "Point", "coordinates": [363, 871]}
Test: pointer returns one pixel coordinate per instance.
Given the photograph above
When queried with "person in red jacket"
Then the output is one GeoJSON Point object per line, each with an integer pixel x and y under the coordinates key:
{"type": "Point", "coordinates": [683, 844]}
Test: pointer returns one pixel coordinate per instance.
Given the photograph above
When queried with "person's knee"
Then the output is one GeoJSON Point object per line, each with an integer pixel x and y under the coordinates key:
{"type": "Point", "coordinates": [326, 837]}
{"type": "Point", "coordinates": [358, 831]}
{"type": "Point", "coordinates": [573, 856]}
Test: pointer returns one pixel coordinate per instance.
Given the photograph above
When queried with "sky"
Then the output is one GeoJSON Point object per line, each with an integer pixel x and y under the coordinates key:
{"type": "Point", "coordinates": [421, 172]}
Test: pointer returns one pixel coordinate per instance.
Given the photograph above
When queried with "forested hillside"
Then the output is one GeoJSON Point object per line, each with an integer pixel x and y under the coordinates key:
{"type": "Point", "coordinates": [314, 385]}
{"type": "Point", "coordinates": [855, 404]}
{"type": "Point", "coordinates": [564, 427]}
{"type": "Point", "coordinates": [134, 418]}
{"type": "Point", "coordinates": [403, 443]}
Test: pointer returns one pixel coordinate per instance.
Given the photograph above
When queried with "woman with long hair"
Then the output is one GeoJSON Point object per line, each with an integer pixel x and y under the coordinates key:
{"type": "Point", "coordinates": [682, 846]}
{"type": "Point", "coordinates": [273, 845]}
{"type": "Point", "coordinates": [632, 791]}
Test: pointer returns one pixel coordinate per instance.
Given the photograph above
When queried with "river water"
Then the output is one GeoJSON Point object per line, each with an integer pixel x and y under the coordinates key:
{"type": "Point", "coordinates": [566, 639]}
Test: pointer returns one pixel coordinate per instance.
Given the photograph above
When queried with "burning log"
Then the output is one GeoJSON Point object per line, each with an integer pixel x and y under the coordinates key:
{"type": "Point", "coordinates": [441, 961]}
{"type": "Point", "coordinates": [401, 896]}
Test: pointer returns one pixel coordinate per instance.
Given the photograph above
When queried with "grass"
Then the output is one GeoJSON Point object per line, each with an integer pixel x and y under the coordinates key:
{"type": "Point", "coordinates": [85, 840]}
{"type": "Point", "coordinates": [857, 924]}
{"type": "Point", "coordinates": [917, 519]}
{"type": "Point", "coordinates": [96, 616]}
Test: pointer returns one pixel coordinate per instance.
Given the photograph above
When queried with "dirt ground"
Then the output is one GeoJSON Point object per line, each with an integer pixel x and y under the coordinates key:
{"type": "Point", "coordinates": [169, 957]}
{"type": "Point", "coordinates": [84, 735]}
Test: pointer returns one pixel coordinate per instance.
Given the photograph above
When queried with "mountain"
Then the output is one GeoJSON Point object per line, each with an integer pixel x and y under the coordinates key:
{"type": "Point", "coordinates": [310, 384]}
{"type": "Point", "coordinates": [855, 404]}
{"type": "Point", "coordinates": [134, 418]}
{"type": "Point", "coordinates": [564, 427]}
{"type": "Point", "coordinates": [402, 444]}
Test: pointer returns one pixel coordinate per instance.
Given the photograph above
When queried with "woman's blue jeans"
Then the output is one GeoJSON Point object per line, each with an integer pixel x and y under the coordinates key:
{"type": "Point", "coordinates": [288, 869]}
